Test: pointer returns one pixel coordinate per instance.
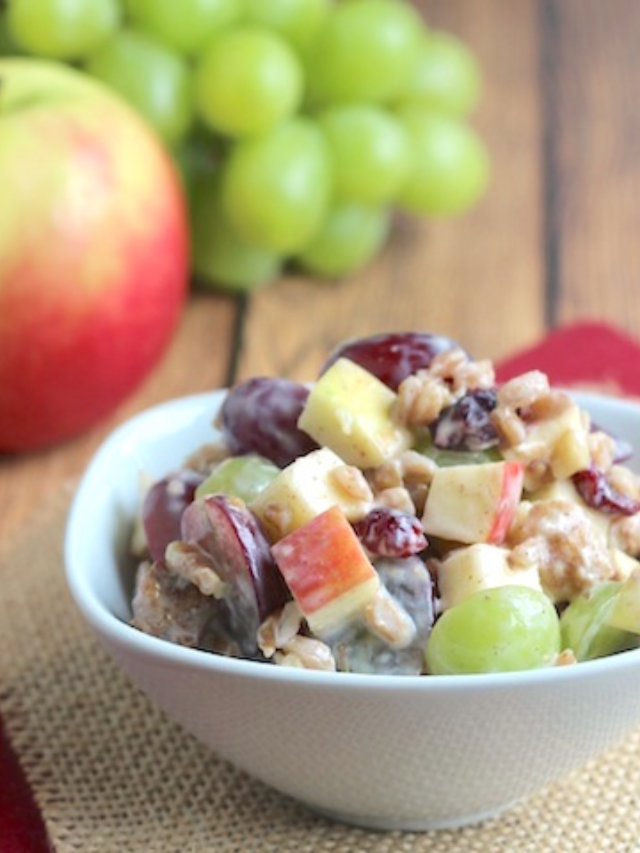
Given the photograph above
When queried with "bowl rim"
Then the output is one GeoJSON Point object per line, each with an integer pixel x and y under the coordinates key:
{"type": "Point", "coordinates": [121, 635]}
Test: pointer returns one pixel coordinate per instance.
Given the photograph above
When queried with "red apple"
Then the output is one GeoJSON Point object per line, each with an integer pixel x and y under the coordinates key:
{"type": "Point", "coordinates": [327, 571]}
{"type": "Point", "coordinates": [474, 503]}
{"type": "Point", "coordinates": [93, 252]}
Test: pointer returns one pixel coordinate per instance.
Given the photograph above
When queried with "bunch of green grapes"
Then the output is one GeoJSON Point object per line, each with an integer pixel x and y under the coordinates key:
{"type": "Point", "coordinates": [298, 125]}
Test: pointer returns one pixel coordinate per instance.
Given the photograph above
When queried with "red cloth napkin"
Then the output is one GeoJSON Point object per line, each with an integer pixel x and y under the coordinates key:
{"type": "Point", "coordinates": [587, 353]}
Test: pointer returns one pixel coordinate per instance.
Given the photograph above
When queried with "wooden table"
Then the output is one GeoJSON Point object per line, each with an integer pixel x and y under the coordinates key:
{"type": "Point", "coordinates": [555, 239]}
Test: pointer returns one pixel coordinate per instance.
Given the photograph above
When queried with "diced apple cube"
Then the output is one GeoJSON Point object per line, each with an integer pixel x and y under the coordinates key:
{"type": "Point", "coordinates": [623, 564]}
{"type": "Point", "coordinates": [466, 571]}
{"type": "Point", "coordinates": [304, 489]}
{"type": "Point", "coordinates": [566, 435]}
{"type": "Point", "coordinates": [327, 571]}
{"type": "Point", "coordinates": [474, 503]}
{"type": "Point", "coordinates": [349, 411]}
{"type": "Point", "coordinates": [625, 611]}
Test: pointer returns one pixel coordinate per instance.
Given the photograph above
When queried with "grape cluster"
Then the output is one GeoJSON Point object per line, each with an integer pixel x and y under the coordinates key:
{"type": "Point", "coordinates": [298, 125]}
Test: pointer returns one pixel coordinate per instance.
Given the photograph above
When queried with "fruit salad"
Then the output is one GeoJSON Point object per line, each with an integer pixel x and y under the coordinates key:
{"type": "Point", "coordinates": [403, 515]}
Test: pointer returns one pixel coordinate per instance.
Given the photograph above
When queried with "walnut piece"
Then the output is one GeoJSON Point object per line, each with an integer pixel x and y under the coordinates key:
{"type": "Point", "coordinates": [558, 537]}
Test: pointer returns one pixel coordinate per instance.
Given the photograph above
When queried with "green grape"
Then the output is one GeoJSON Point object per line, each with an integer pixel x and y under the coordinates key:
{"type": "Point", "coordinates": [350, 237]}
{"type": "Point", "coordinates": [151, 77]}
{"type": "Point", "coordinates": [247, 81]}
{"type": "Point", "coordinates": [450, 458]}
{"type": "Point", "coordinates": [585, 629]}
{"type": "Point", "coordinates": [445, 76]}
{"type": "Point", "coordinates": [184, 25]}
{"type": "Point", "coordinates": [299, 21]}
{"type": "Point", "coordinates": [220, 255]}
{"type": "Point", "coordinates": [370, 152]}
{"type": "Point", "coordinates": [242, 477]}
{"type": "Point", "coordinates": [450, 166]}
{"type": "Point", "coordinates": [496, 630]}
{"type": "Point", "coordinates": [276, 187]}
{"type": "Point", "coordinates": [365, 52]}
{"type": "Point", "coordinates": [62, 29]}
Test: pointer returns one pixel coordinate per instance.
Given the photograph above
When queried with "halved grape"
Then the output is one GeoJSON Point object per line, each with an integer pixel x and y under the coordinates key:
{"type": "Point", "coordinates": [358, 650]}
{"type": "Point", "coordinates": [504, 629]}
{"type": "Point", "coordinates": [62, 29]}
{"type": "Point", "coordinates": [365, 52]}
{"type": "Point", "coordinates": [394, 356]}
{"type": "Point", "coordinates": [220, 255]}
{"type": "Point", "coordinates": [350, 236]}
{"type": "Point", "coordinates": [152, 78]}
{"type": "Point", "coordinates": [276, 187]}
{"type": "Point", "coordinates": [450, 166]}
{"type": "Point", "coordinates": [247, 81]}
{"type": "Point", "coordinates": [261, 416]}
{"type": "Point", "coordinates": [445, 76]}
{"type": "Point", "coordinates": [584, 625]}
{"type": "Point", "coordinates": [241, 477]}
{"type": "Point", "coordinates": [163, 506]}
{"type": "Point", "coordinates": [239, 552]}
{"type": "Point", "coordinates": [299, 21]}
{"type": "Point", "coordinates": [370, 152]}
{"type": "Point", "coordinates": [187, 25]}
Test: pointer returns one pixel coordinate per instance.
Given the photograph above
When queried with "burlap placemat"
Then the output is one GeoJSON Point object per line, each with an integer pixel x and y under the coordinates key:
{"type": "Point", "coordinates": [111, 774]}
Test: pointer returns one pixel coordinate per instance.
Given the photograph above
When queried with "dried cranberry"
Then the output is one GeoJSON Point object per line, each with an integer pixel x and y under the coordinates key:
{"type": "Point", "coordinates": [390, 533]}
{"type": "Point", "coordinates": [598, 493]}
{"type": "Point", "coordinates": [467, 425]}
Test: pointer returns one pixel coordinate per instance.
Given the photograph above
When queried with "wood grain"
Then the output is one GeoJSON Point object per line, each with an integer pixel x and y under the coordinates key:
{"type": "Point", "coordinates": [596, 115]}
{"type": "Point", "coordinates": [197, 360]}
{"type": "Point", "coordinates": [478, 278]}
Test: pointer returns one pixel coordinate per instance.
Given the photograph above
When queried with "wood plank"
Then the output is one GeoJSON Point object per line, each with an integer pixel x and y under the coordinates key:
{"type": "Point", "coordinates": [478, 278]}
{"type": "Point", "coordinates": [197, 360]}
{"type": "Point", "coordinates": [597, 115]}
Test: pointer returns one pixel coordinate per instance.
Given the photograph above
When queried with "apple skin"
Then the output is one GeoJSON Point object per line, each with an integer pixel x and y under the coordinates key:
{"type": "Point", "coordinates": [94, 252]}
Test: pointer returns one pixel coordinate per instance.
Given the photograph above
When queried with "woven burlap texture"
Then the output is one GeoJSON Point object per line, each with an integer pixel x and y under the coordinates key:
{"type": "Point", "coordinates": [110, 773]}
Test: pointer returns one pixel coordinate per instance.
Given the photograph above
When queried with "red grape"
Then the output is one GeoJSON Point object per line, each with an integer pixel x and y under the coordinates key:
{"type": "Point", "coordinates": [230, 535]}
{"type": "Point", "coordinates": [163, 506]}
{"type": "Point", "coordinates": [394, 356]}
{"type": "Point", "coordinates": [261, 416]}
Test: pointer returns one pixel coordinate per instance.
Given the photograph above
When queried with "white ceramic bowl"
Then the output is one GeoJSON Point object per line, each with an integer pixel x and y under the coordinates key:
{"type": "Point", "coordinates": [379, 751]}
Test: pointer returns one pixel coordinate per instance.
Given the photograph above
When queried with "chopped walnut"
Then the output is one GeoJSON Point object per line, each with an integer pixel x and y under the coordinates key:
{"type": "Point", "coordinates": [602, 449]}
{"type": "Point", "coordinates": [190, 562]}
{"type": "Point", "coordinates": [461, 373]}
{"type": "Point", "coordinates": [625, 534]}
{"type": "Point", "coordinates": [279, 628]}
{"type": "Point", "coordinates": [558, 537]}
{"type": "Point", "coordinates": [306, 653]}
{"type": "Point", "coordinates": [397, 498]}
{"type": "Point", "coordinates": [421, 398]}
{"type": "Point", "coordinates": [388, 620]}
{"type": "Point", "coordinates": [412, 472]}
{"type": "Point", "coordinates": [566, 658]}
{"type": "Point", "coordinates": [624, 480]}
{"type": "Point", "coordinates": [277, 519]}
{"type": "Point", "coordinates": [205, 458]}
{"type": "Point", "coordinates": [351, 481]}
{"type": "Point", "coordinates": [523, 391]}
{"type": "Point", "coordinates": [510, 428]}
